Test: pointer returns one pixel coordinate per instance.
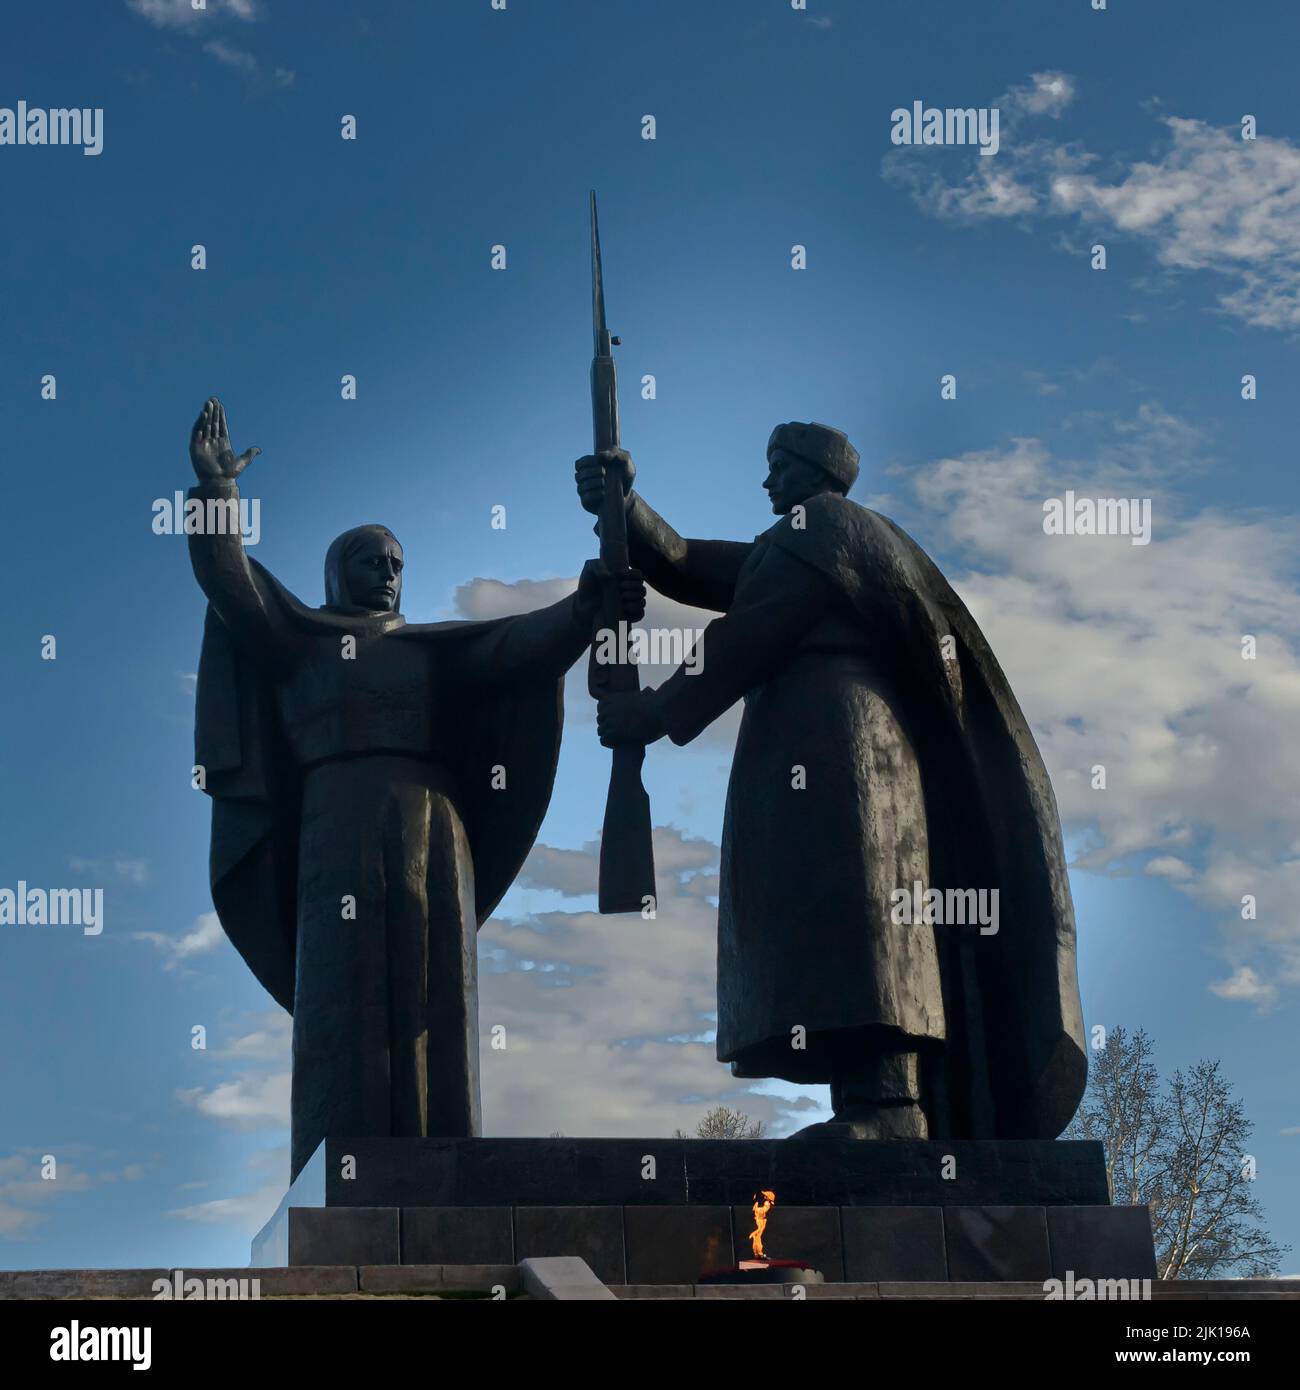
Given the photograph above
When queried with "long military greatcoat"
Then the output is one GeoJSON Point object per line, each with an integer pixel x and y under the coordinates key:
{"type": "Point", "coordinates": [874, 755]}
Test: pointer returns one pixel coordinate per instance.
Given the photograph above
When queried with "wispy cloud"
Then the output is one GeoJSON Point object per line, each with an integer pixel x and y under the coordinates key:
{"type": "Point", "coordinates": [247, 64]}
{"type": "Point", "coordinates": [135, 871]}
{"type": "Point", "coordinates": [247, 1102]}
{"type": "Point", "coordinates": [182, 17]}
{"type": "Point", "coordinates": [622, 1009]}
{"type": "Point", "coordinates": [181, 14]}
{"type": "Point", "coordinates": [26, 1194]}
{"type": "Point", "coordinates": [267, 1039]}
{"type": "Point", "coordinates": [1204, 200]}
{"type": "Point", "coordinates": [205, 935]}
{"type": "Point", "coordinates": [231, 56]}
{"type": "Point", "coordinates": [245, 1212]}
{"type": "Point", "coordinates": [248, 1212]}
{"type": "Point", "coordinates": [1131, 657]}
{"type": "Point", "coordinates": [1245, 984]}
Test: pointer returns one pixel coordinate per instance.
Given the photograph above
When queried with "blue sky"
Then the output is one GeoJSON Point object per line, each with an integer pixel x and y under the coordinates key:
{"type": "Point", "coordinates": [371, 257]}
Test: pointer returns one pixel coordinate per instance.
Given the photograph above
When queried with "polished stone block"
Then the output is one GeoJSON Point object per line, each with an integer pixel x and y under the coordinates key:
{"type": "Point", "coordinates": [594, 1234]}
{"type": "Point", "coordinates": [989, 1243]}
{"type": "Point", "coordinates": [457, 1236]}
{"type": "Point", "coordinates": [1101, 1242]}
{"type": "Point", "coordinates": [344, 1236]}
{"type": "Point", "coordinates": [894, 1244]}
{"type": "Point", "coordinates": [675, 1245]}
{"type": "Point", "coordinates": [710, 1172]}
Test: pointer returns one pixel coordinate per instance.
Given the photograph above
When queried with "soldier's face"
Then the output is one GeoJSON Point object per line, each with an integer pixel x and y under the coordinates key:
{"type": "Point", "coordinates": [790, 481]}
{"type": "Point", "coordinates": [373, 574]}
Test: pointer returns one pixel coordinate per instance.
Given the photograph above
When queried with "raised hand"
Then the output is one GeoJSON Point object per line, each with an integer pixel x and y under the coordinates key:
{"type": "Point", "coordinates": [589, 474]}
{"type": "Point", "coordinates": [210, 450]}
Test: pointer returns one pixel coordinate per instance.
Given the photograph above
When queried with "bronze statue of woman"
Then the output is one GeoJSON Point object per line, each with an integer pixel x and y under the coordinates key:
{"type": "Point", "coordinates": [376, 785]}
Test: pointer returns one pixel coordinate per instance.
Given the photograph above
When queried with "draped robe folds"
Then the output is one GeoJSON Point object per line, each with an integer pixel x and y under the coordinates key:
{"type": "Point", "coordinates": [867, 762]}
{"type": "Point", "coordinates": [369, 811]}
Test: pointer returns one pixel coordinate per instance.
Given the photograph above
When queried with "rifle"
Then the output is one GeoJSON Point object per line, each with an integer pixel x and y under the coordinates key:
{"type": "Point", "coordinates": [627, 863]}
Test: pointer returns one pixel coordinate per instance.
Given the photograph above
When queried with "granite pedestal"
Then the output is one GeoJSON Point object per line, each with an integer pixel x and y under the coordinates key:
{"type": "Point", "coordinates": [660, 1211]}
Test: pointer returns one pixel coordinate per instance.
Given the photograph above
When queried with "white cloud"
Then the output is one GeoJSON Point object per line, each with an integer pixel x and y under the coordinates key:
{"type": "Point", "coordinates": [1245, 984]}
{"type": "Point", "coordinates": [592, 1005]}
{"type": "Point", "coordinates": [1211, 201]}
{"type": "Point", "coordinates": [1131, 657]}
{"type": "Point", "coordinates": [248, 1102]}
{"type": "Point", "coordinates": [268, 1039]}
{"type": "Point", "coordinates": [232, 57]}
{"type": "Point", "coordinates": [1169, 866]}
{"type": "Point", "coordinates": [205, 935]}
{"type": "Point", "coordinates": [482, 599]}
{"type": "Point", "coordinates": [1206, 200]}
{"type": "Point", "coordinates": [135, 871]}
{"type": "Point", "coordinates": [25, 1194]}
{"type": "Point", "coordinates": [181, 14]}
{"type": "Point", "coordinates": [1048, 94]}
{"type": "Point", "coordinates": [247, 1213]}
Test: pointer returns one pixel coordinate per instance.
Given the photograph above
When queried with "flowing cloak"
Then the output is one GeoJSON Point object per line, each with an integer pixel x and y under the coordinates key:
{"type": "Point", "coordinates": [1010, 997]}
{"type": "Point", "coordinates": [256, 788]}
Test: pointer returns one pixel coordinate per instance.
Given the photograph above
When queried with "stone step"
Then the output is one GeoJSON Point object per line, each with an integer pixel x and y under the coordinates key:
{"type": "Point", "coordinates": [299, 1281]}
{"type": "Point", "coordinates": [562, 1279]}
{"type": "Point", "coordinates": [1166, 1291]}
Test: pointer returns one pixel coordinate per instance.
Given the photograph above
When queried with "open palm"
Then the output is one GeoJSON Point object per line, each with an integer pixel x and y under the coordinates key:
{"type": "Point", "coordinates": [210, 450]}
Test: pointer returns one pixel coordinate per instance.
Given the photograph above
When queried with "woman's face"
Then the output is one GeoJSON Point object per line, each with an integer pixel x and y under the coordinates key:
{"type": "Point", "coordinates": [372, 574]}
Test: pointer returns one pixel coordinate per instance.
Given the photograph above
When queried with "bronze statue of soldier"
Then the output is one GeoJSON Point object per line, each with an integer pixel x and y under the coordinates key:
{"type": "Point", "coordinates": [881, 747]}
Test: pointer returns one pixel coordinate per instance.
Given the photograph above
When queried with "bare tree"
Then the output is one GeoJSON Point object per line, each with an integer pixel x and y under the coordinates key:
{"type": "Point", "coordinates": [724, 1123]}
{"type": "Point", "coordinates": [1206, 1214]}
{"type": "Point", "coordinates": [1184, 1154]}
{"type": "Point", "coordinates": [1122, 1107]}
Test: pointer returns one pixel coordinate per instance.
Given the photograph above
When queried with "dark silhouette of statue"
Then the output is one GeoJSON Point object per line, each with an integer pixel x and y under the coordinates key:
{"type": "Point", "coordinates": [881, 748]}
{"type": "Point", "coordinates": [375, 787]}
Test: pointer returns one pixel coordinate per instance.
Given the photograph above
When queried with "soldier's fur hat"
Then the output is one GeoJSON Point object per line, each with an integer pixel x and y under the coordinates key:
{"type": "Point", "coordinates": [829, 449]}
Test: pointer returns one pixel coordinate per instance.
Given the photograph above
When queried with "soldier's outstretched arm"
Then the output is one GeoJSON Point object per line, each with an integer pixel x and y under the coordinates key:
{"type": "Point", "coordinates": [782, 599]}
{"type": "Point", "coordinates": [698, 572]}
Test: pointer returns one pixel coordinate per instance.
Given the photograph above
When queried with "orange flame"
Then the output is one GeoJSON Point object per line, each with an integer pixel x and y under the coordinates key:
{"type": "Point", "coordinates": [761, 1210]}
